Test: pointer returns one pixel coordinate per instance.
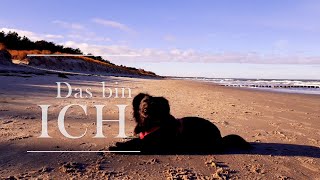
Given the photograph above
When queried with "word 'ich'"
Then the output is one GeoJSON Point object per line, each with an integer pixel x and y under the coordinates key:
{"type": "Point", "coordinates": [100, 120]}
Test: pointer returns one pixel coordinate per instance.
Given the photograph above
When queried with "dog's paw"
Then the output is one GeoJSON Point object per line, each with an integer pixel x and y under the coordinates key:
{"type": "Point", "coordinates": [119, 144]}
{"type": "Point", "coordinates": [131, 145]}
{"type": "Point", "coordinates": [113, 148]}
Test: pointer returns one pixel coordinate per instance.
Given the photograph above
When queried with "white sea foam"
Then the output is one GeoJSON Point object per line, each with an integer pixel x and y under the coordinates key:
{"type": "Point", "coordinates": [283, 85]}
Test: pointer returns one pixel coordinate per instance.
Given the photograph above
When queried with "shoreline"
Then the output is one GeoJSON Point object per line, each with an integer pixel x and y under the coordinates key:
{"type": "Point", "coordinates": [277, 90]}
{"type": "Point", "coordinates": [251, 89]}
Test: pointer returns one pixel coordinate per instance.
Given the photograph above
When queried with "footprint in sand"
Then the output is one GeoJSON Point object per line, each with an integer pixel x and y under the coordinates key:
{"type": "Point", "coordinates": [7, 122]}
{"type": "Point", "coordinates": [39, 174]}
{"type": "Point", "coordinates": [115, 175]}
{"type": "Point", "coordinates": [309, 163]}
{"type": "Point", "coordinates": [20, 137]}
{"type": "Point", "coordinates": [181, 173]}
{"type": "Point", "coordinates": [224, 123]}
{"type": "Point", "coordinates": [313, 141]}
{"type": "Point", "coordinates": [73, 167]}
{"type": "Point", "coordinates": [87, 145]}
{"type": "Point", "coordinates": [274, 124]}
{"type": "Point", "coordinates": [30, 107]}
{"type": "Point", "coordinates": [306, 124]}
{"type": "Point", "coordinates": [296, 125]}
{"type": "Point", "coordinates": [284, 136]}
{"type": "Point", "coordinates": [279, 133]}
{"type": "Point", "coordinates": [151, 161]}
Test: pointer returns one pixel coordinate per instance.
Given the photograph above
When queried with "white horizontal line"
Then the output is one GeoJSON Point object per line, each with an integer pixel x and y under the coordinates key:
{"type": "Point", "coordinates": [66, 55]}
{"type": "Point", "coordinates": [82, 151]}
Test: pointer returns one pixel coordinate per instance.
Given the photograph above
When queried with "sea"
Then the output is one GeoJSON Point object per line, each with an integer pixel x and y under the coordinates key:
{"type": "Point", "coordinates": [303, 86]}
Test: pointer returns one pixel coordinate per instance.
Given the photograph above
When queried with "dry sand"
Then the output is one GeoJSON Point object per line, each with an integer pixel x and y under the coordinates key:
{"type": "Point", "coordinates": [284, 128]}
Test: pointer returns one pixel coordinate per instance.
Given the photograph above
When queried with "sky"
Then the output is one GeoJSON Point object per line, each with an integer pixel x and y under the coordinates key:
{"type": "Point", "coordinates": [249, 39]}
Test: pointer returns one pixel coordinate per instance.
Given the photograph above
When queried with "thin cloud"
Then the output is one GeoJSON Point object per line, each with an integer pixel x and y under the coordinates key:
{"type": "Point", "coordinates": [53, 36]}
{"type": "Point", "coordinates": [189, 55]}
{"type": "Point", "coordinates": [68, 25]}
{"type": "Point", "coordinates": [88, 37]}
{"type": "Point", "coordinates": [169, 38]}
{"type": "Point", "coordinates": [113, 24]}
{"type": "Point", "coordinates": [281, 44]}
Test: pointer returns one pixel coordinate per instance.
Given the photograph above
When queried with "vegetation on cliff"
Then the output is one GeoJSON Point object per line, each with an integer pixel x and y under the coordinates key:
{"type": "Point", "coordinates": [19, 47]}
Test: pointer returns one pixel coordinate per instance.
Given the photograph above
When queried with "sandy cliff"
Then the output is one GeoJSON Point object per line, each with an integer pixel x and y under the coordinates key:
{"type": "Point", "coordinates": [83, 65]}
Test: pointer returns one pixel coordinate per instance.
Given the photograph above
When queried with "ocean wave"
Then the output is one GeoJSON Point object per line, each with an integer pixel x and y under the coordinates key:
{"type": "Point", "coordinates": [281, 85]}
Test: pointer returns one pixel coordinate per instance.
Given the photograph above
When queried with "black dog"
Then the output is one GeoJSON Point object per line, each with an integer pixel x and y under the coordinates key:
{"type": "Point", "coordinates": [160, 132]}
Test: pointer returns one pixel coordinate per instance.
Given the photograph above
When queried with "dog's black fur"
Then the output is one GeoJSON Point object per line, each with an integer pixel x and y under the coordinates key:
{"type": "Point", "coordinates": [186, 135]}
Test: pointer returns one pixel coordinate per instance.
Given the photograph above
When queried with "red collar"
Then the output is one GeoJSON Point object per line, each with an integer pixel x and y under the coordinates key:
{"type": "Point", "coordinates": [144, 134]}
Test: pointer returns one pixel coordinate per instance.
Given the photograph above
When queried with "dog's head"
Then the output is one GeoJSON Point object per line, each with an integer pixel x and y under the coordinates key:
{"type": "Point", "coordinates": [149, 111]}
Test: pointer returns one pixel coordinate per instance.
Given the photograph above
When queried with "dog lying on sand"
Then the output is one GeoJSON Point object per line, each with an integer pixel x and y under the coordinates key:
{"type": "Point", "coordinates": [160, 132]}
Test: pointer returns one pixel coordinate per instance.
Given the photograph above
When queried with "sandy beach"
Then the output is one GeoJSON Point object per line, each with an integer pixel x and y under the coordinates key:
{"type": "Point", "coordinates": [283, 128]}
